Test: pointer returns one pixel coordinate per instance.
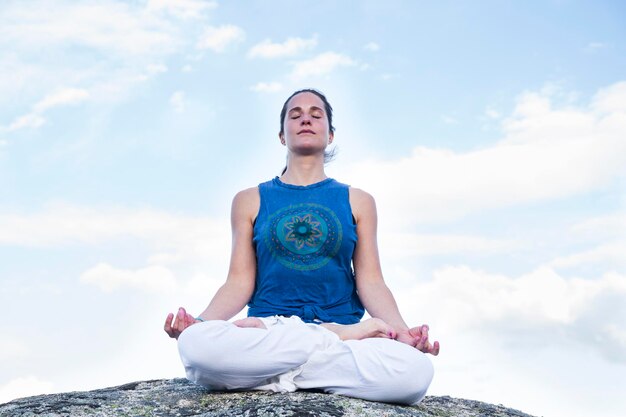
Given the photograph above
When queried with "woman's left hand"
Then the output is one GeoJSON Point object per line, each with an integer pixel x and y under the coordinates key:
{"type": "Point", "coordinates": [418, 338]}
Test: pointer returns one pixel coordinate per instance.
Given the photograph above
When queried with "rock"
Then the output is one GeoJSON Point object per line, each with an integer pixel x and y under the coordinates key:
{"type": "Point", "coordinates": [180, 398]}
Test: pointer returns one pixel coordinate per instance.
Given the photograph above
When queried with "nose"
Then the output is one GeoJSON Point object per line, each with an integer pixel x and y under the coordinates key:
{"type": "Point", "coordinates": [305, 120]}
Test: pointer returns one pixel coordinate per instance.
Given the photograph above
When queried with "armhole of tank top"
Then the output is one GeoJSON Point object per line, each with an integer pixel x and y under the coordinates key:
{"type": "Point", "coordinates": [260, 206]}
{"type": "Point", "coordinates": [350, 206]}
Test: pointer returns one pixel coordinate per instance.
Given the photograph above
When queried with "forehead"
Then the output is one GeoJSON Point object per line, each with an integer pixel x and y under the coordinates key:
{"type": "Point", "coordinates": [305, 101]}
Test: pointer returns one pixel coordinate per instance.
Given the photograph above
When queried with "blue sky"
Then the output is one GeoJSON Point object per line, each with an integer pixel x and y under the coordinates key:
{"type": "Point", "coordinates": [490, 133]}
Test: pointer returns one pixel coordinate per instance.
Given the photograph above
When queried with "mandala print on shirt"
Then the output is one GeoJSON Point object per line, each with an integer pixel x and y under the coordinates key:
{"type": "Point", "coordinates": [304, 236]}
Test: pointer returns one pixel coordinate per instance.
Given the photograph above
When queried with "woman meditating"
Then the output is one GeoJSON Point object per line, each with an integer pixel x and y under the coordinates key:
{"type": "Point", "coordinates": [305, 262]}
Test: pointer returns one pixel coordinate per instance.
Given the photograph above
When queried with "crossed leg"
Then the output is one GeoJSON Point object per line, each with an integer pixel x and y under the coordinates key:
{"type": "Point", "coordinates": [288, 354]}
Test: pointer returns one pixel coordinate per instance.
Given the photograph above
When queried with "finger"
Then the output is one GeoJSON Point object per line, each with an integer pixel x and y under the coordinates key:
{"type": "Point", "coordinates": [386, 333]}
{"type": "Point", "coordinates": [187, 319]}
{"type": "Point", "coordinates": [416, 332]}
{"type": "Point", "coordinates": [435, 349]}
{"type": "Point", "coordinates": [390, 332]}
{"type": "Point", "coordinates": [384, 330]}
{"type": "Point", "coordinates": [183, 319]}
{"type": "Point", "coordinates": [423, 344]}
{"type": "Point", "coordinates": [168, 324]}
{"type": "Point", "coordinates": [179, 323]}
{"type": "Point", "coordinates": [419, 343]}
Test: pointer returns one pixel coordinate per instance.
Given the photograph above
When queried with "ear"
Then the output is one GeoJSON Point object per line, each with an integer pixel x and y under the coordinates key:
{"type": "Point", "coordinates": [282, 138]}
{"type": "Point", "coordinates": [331, 136]}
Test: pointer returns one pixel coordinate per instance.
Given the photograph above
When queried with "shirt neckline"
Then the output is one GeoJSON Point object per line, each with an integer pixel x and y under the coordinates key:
{"type": "Point", "coordinates": [278, 182]}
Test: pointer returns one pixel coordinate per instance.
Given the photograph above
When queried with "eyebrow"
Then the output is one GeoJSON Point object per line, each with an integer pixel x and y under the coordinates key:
{"type": "Point", "coordinates": [313, 108]}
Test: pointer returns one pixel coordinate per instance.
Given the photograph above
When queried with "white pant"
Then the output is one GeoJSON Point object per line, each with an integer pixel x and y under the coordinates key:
{"type": "Point", "coordinates": [291, 355]}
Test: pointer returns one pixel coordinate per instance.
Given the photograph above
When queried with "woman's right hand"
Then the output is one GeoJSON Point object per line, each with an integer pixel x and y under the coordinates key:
{"type": "Point", "coordinates": [174, 326]}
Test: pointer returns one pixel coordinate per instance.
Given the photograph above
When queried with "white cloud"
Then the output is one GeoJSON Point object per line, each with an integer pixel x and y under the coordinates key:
{"type": "Point", "coordinates": [105, 47]}
{"type": "Point", "coordinates": [31, 120]}
{"type": "Point", "coordinates": [175, 244]}
{"type": "Point", "coordinates": [219, 38]}
{"type": "Point", "coordinates": [156, 69]}
{"type": "Point", "coordinates": [608, 253]}
{"type": "Point", "coordinates": [114, 27]}
{"type": "Point", "coordinates": [177, 101]}
{"type": "Point", "coordinates": [58, 225]}
{"type": "Point", "coordinates": [291, 47]}
{"type": "Point", "coordinates": [17, 77]}
{"type": "Point", "coordinates": [372, 47]}
{"type": "Point", "coordinates": [411, 245]}
{"type": "Point", "coordinates": [271, 87]}
{"type": "Point", "coordinates": [321, 64]}
{"type": "Point", "coordinates": [611, 101]}
{"type": "Point", "coordinates": [586, 311]}
{"type": "Point", "coordinates": [60, 98]}
{"type": "Point", "coordinates": [34, 120]}
{"type": "Point", "coordinates": [23, 387]}
{"type": "Point", "coordinates": [12, 347]}
{"type": "Point", "coordinates": [152, 278]}
{"type": "Point", "coordinates": [184, 9]}
{"type": "Point", "coordinates": [608, 226]}
{"type": "Point", "coordinates": [545, 154]}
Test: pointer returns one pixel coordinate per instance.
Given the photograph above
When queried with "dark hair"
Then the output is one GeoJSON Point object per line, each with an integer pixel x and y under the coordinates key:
{"type": "Point", "coordinates": [328, 155]}
{"type": "Point", "coordinates": [327, 107]}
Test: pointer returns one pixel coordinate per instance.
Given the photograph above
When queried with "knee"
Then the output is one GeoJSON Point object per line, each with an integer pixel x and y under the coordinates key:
{"type": "Point", "coordinates": [201, 352]}
{"type": "Point", "coordinates": [417, 378]}
{"type": "Point", "coordinates": [200, 341]}
{"type": "Point", "coordinates": [408, 375]}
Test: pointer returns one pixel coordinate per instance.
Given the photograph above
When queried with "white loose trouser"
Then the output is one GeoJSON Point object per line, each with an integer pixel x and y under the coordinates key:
{"type": "Point", "coordinates": [291, 355]}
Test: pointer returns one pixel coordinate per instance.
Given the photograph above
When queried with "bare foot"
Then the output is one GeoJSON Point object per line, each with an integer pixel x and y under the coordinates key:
{"type": "Point", "coordinates": [250, 322]}
{"type": "Point", "coordinates": [362, 330]}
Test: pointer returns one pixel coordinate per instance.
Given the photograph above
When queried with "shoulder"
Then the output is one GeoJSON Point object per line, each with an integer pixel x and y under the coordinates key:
{"type": "Point", "coordinates": [360, 197]}
{"type": "Point", "coordinates": [246, 202]}
{"type": "Point", "coordinates": [247, 195]}
{"type": "Point", "coordinates": [363, 203]}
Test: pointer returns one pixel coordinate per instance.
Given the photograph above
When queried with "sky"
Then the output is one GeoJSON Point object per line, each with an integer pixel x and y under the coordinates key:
{"type": "Point", "coordinates": [492, 135]}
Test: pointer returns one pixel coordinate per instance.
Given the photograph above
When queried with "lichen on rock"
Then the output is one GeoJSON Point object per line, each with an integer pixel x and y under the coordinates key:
{"type": "Point", "coordinates": [180, 398]}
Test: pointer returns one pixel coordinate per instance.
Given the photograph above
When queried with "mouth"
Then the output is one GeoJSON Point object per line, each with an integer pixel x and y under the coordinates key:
{"type": "Point", "coordinates": [306, 131]}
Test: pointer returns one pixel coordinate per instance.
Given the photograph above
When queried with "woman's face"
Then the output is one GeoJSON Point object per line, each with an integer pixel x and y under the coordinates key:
{"type": "Point", "coordinates": [305, 125]}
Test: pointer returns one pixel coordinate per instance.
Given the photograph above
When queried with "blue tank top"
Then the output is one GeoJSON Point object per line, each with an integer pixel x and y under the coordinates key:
{"type": "Point", "coordinates": [304, 238]}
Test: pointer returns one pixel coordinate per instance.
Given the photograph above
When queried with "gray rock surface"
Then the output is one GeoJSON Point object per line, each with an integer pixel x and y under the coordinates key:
{"type": "Point", "coordinates": [178, 397]}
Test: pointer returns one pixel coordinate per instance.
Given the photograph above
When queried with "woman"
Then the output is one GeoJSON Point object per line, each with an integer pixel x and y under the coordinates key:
{"type": "Point", "coordinates": [295, 242]}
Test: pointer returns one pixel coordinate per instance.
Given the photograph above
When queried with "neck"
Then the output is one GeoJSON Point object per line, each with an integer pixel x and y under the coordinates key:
{"type": "Point", "coordinates": [304, 170]}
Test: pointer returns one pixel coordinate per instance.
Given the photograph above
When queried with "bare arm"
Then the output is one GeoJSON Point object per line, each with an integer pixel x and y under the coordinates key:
{"type": "Point", "coordinates": [371, 287]}
{"type": "Point", "coordinates": [232, 297]}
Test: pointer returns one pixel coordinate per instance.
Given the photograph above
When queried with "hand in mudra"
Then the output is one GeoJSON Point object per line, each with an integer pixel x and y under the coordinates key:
{"type": "Point", "coordinates": [174, 326]}
{"type": "Point", "coordinates": [418, 338]}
